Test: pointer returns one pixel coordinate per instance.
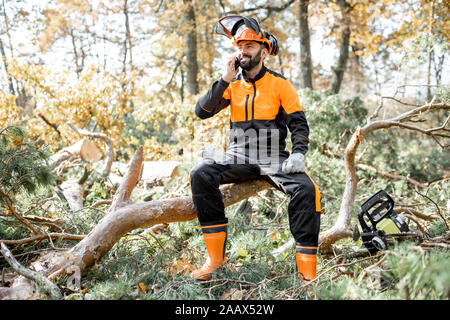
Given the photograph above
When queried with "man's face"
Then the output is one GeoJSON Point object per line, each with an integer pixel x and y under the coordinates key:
{"type": "Point", "coordinates": [250, 54]}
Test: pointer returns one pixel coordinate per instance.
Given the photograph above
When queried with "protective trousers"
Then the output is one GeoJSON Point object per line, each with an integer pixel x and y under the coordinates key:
{"type": "Point", "coordinates": [303, 209]}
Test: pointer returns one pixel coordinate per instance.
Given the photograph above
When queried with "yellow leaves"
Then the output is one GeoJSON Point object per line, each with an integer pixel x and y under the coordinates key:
{"type": "Point", "coordinates": [142, 287]}
{"type": "Point", "coordinates": [94, 98]}
{"type": "Point", "coordinates": [9, 111]}
{"type": "Point", "coordinates": [180, 267]}
{"type": "Point", "coordinates": [140, 126]}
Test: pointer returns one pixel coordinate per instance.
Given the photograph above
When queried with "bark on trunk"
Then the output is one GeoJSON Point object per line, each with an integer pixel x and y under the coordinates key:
{"type": "Point", "coordinates": [75, 52]}
{"type": "Point", "coordinates": [341, 64]}
{"type": "Point", "coordinates": [429, 50]}
{"type": "Point", "coordinates": [191, 49]}
{"type": "Point", "coordinates": [5, 64]}
{"type": "Point", "coordinates": [305, 46]}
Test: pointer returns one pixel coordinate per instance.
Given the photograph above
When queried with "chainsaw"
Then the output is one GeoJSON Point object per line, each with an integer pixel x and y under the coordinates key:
{"type": "Point", "coordinates": [379, 226]}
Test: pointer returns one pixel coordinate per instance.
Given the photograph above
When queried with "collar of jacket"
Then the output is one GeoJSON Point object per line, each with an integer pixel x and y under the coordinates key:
{"type": "Point", "coordinates": [261, 74]}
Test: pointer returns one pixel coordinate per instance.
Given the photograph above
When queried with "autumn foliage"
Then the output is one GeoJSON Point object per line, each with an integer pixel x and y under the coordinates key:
{"type": "Point", "coordinates": [132, 71]}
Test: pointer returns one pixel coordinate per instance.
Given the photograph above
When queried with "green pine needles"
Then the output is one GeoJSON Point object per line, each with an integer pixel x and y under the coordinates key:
{"type": "Point", "coordinates": [23, 164]}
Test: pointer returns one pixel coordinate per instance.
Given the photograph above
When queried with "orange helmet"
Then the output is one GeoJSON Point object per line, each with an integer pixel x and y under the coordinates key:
{"type": "Point", "coordinates": [250, 35]}
{"type": "Point", "coordinates": [241, 28]}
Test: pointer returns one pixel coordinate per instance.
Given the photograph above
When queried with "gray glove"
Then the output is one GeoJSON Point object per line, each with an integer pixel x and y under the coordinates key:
{"type": "Point", "coordinates": [212, 155]}
{"type": "Point", "coordinates": [294, 164]}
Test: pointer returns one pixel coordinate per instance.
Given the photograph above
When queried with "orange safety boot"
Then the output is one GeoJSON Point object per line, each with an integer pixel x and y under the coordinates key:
{"type": "Point", "coordinates": [215, 237]}
{"type": "Point", "coordinates": [306, 259]}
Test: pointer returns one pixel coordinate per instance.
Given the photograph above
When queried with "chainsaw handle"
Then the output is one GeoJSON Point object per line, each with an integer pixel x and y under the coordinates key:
{"type": "Point", "coordinates": [379, 197]}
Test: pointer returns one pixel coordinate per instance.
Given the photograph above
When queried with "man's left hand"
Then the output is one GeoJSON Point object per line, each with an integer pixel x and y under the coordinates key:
{"type": "Point", "coordinates": [211, 155]}
{"type": "Point", "coordinates": [294, 164]}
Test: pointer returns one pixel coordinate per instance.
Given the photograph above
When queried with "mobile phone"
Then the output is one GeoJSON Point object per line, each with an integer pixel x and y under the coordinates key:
{"type": "Point", "coordinates": [237, 63]}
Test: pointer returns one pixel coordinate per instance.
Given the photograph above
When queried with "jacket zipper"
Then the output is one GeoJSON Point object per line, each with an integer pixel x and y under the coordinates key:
{"type": "Point", "coordinates": [246, 108]}
{"type": "Point", "coordinates": [253, 100]}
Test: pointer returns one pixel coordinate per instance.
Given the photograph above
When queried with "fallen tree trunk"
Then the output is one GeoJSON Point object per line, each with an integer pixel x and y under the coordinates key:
{"type": "Point", "coordinates": [125, 216]}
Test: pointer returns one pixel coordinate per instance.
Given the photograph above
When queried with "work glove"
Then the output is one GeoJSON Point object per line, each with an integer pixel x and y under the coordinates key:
{"type": "Point", "coordinates": [294, 164]}
{"type": "Point", "coordinates": [212, 155]}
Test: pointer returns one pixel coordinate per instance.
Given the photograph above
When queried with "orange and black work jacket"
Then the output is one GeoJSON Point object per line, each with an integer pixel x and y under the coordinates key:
{"type": "Point", "coordinates": [269, 102]}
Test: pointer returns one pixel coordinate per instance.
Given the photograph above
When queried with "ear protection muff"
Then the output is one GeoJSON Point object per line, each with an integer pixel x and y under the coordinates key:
{"type": "Point", "coordinates": [273, 43]}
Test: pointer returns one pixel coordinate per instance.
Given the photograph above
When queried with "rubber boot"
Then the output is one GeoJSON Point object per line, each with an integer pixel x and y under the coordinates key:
{"type": "Point", "coordinates": [306, 259]}
{"type": "Point", "coordinates": [215, 237]}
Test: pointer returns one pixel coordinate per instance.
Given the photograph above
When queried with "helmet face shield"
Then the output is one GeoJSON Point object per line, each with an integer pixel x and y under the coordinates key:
{"type": "Point", "coordinates": [241, 28]}
{"type": "Point", "coordinates": [225, 25]}
{"type": "Point", "coordinates": [230, 26]}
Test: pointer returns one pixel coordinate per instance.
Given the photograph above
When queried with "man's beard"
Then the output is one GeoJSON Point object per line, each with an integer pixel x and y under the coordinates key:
{"type": "Point", "coordinates": [252, 61]}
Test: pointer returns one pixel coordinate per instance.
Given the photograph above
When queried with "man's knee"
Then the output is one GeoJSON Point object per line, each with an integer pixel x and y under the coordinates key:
{"type": "Point", "coordinates": [203, 174]}
{"type": "Point", "coordinates": [305, 196]}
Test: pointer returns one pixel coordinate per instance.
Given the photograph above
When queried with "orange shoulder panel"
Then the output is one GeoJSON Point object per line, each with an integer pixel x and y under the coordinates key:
{"type": "Point", "coordinates": [289, 97]}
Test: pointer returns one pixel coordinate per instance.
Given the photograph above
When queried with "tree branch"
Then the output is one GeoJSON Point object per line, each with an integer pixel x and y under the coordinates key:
{"type": "Point", "coordinates": [263, 7]}
{"type": "Point", "coordinates": [129, 181]}
{"type": "Point", "coordinates": [14, 213]}
{"type": "Point", "coordinates": [416, 213]}
{"type": "Point", "coordinates": [45, 284]}
{"type": "Point", "coordinates": [52, 236]}
{"type": "Point", "coordinates": [391, 175]}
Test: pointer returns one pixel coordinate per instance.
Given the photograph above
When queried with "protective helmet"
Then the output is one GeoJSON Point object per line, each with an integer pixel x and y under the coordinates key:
{"type": "Point", "coordinates": [241, 28]}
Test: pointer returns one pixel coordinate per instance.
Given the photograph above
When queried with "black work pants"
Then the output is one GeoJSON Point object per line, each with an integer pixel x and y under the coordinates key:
{"type": "Point", "coordinates": [303, 209]}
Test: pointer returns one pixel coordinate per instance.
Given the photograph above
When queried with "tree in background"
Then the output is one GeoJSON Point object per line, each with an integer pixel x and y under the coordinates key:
{"type": "Point", "coordinates": [305, 46]}
{"type": "Point", "coordinates": [160, 54]}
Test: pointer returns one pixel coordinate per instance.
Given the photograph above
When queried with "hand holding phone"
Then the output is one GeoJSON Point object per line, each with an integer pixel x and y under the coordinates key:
{"type": "Point", "coordinates": [237, 63]}
{"type": "Point", "coordinates": [231, 69]}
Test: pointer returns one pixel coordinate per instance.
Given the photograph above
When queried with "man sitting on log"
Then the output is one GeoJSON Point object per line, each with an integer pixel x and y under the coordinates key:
{"type": "Point", "coordinates": [263, 105]}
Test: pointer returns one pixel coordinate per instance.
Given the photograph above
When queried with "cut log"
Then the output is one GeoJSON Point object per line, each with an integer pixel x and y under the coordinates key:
{"type": "Point", "coordinates": [152, 170]}
{"type": "Point", "coordinates": [85, 149]}
{"type": "Point", "coordinates": [109, 146]}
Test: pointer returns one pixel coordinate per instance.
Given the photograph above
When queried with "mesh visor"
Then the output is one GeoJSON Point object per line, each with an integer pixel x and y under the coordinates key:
{"type": "Point", "coordinates": [239, 30]}
{"type": "Point", "coordinates": [225, 25]}
{"type": "Point", "coordinates": [232, 26]}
